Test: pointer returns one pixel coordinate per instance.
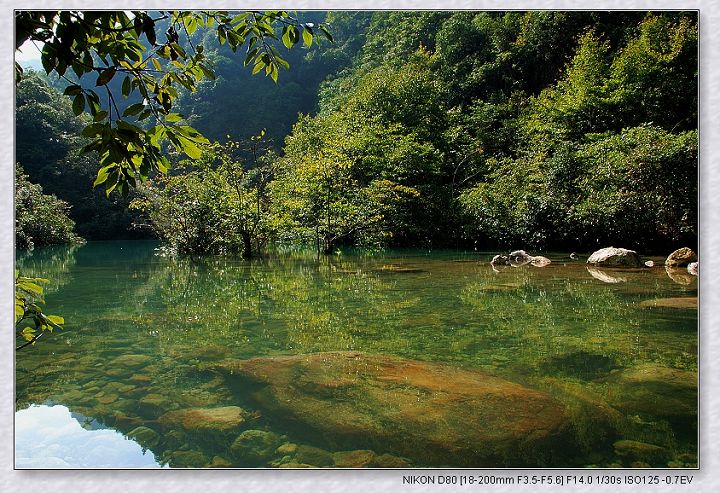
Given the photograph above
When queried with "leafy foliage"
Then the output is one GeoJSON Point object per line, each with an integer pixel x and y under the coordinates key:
{"type": "Point", "coordinates": [48, 146]}
{"type": "Point", "coordinates": [30, 321]}
{"type": "Point", "coordinates": [106, 44]}
{"type": "Point", "coordinates": [40, 219]}
{"type": "Point", "coordinates": [219, 205]}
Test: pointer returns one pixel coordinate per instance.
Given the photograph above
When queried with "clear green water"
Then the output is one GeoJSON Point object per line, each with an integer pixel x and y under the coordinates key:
{"type": "Point", "coordinates": [558, 329]}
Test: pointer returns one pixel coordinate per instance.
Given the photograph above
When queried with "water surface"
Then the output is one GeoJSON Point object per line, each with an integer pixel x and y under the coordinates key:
{"type": "Point", "coordinates": [144, 334]}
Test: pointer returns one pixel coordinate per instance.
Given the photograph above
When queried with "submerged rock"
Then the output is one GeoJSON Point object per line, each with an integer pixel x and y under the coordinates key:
{"type": "Point", "coordinates": [615, 257]}
{"type": "Point", "coordinates": [130, 361]}
{"type": "Point", "coordinates": [681, 257]}
{"type": "Point", "coordinates": [255, 447]}
{"type": "Point", "coordinates": [433, 413]}
{"type": "Point", "coordinates": [188, 458]}
{"type": "Point", "coordinates": [654, 390]}
{"type": "Point", "coordinates": [217, 419]}
{"type": "Point", "coordinates": [307, 454]}
{"type": "Point", "coordinates": [640, 451]}
{"type": "Point", "coordinates": [146, 437]}
{"type": "Point", "coordinates": [354, 458]}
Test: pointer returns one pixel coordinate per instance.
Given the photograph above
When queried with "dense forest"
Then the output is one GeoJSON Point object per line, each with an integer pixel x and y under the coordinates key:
{"type": "Point", "coordinates": [543, 130]}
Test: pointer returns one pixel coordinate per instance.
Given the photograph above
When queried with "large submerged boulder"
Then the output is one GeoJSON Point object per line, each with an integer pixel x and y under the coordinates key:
{"type": "Point", "coordinates": [615, 257]}
{"type": "Point", "coordinates": [432, 413]}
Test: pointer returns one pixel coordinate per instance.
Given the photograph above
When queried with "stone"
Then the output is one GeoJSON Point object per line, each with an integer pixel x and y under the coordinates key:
{"type": "Point", "coordinates": [649, 263]}
{"type": "Point", "coordinates": [640, 465]}
{"type": "Point", "coordinates": [519, 257]}
{"type": "Point", "coordinates": [654, 390]}
{"type": "Point", "coordinates": [540, 261]}
{"type": "Point", "coordinates": [154, 405]}
{"type": "Point", "coordinates": [146, 437]}
{"type": "Point", "coordinates": [295, 465]}
{"type": "Point", "coordinates": [681, 257]}
{"type": "Point", "coordinates": [219, 461]}
{"type": "Point", "coordinates": [107, 398]}
{"type": "Point", "coordinates": [693, 268]}
{"type": "Point", "coordinates": [640, 451]}
{"type": "Point", "coordinates": [500, 260]}
{"type": "Point", "coordinates": [432, 413]}
{"type": "Point", "coordinates": [287, 448]}
{"type": "Point", "coordinates": [188, 458]}
{"type": "Point", "coordinates": [615, 257]}
{"type": "Point", "coordinates": [221, 420]}
{"type": "Point", "coordinates": [307, 454]}
{"type": "Point", "coordinates": [354, 458]}
{"type": "Point", "coordinates": [684, 302]}
{"type": "Point", "coordinates": [254, 447]}
{"type": "Point", "coordinates": [130, 361]}
{"type": "Point", "coordinates": [390, 462]}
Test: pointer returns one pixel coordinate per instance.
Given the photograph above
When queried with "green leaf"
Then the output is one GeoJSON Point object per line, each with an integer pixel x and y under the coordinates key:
{"type": "Point", "coordinates": [72, 90]}
{"type": "Point", "coordinates": [189, 148]}
{"type": "Point", "coordinates": [286, 38]}
{"type": "Point", "coordinates": [105, 76]}
{"type": "Point", "coordinates": [307, 38]}
{"type": "Point", "coordinates": [126, 86]}
{"type": "Point", "coordinates": [78, 105]}
{"type": "Point", "coordinates": [173, 117]}
{"type": "Point", "coordinates": [133, 109]}
{"type": "Point", "coordinates": [57, 320]}
{"type": "Point", "coordinates": [259, 65]}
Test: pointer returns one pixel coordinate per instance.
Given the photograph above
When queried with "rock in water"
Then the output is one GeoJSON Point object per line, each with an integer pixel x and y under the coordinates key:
{"type": "Point", "coordinates": [615, 257]}
{"type": "Point", "coordinates": [432, 413]}
{"type": "Point", "coordinates": [692, 268]}
{"type": "Point", "coordinates": [519, 257]}
{"type": "Point", "coordinates": [540, 261]}
{"type": "Point", "coordinates": [681, 257]}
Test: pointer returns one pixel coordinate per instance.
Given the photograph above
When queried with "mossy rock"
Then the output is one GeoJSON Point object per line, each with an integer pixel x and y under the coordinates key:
{"type": "Point", "coordinates": [188, 458]}
{"type": "Point", "coordinates": [206, 420]}
{"type": "Point", "coordinates": [640, 451]}
{"type": "Point", "coordinates": [255, 447]}
{"type": "Point", "coordinates": [130, 361]}
{"type": "Point", "coordinates": [146, 437]}
{"type": "Point", "coordinates": [654, 390]}
{"type": "Point", "coordinates": [306, 454]}
{"type": "Point", "coordinates": [354, 458]}
{"type": "Point", "coordinates": [433, 413]}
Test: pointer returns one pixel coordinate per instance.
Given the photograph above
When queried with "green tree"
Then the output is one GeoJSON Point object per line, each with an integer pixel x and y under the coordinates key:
{"type": "Point", "coordinates": [40, 219]}
{"type": "Point", "coordinates": [220, 205]}
{"type": "Point", "coordinates": [106, 44]}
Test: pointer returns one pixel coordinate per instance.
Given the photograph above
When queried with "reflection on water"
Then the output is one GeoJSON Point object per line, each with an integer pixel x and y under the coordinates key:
{"type": "Point", "coordinates": [149, 341]}
{"type": "Point", "coordinates": [51, 437]}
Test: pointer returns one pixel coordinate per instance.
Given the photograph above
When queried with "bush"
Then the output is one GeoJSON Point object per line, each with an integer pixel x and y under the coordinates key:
{"type": "Point", "coordinates": [40, 219]}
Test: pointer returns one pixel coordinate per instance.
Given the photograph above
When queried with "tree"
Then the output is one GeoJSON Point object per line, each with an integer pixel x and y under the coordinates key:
{"type": "Point", "coordinates": [219, 206]}
{"type": "Point", "coordinates": [40, 219]}
{"type": "Point", "coordinates": [49, 145]}
{"type": "Point", "coordinates": [107, 44]}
